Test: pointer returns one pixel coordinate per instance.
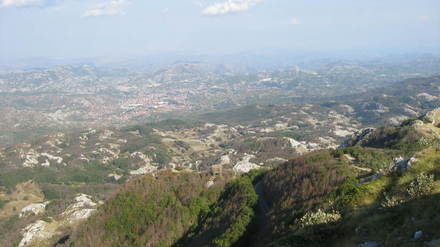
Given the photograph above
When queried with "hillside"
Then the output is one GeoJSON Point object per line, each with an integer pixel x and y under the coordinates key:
{"type": "Point", "coordinates": [352, 196]}
{"type": "Point", "coordinates": [44, 177]}
{"type": "Point", "coordinates": [151, 211]}
{"type": "Point", "coordinates": [52, 184]}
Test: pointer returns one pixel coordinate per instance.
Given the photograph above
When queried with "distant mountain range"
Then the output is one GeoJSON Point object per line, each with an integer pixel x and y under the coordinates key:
{"type": "Point", "coordinates": [42, 101]}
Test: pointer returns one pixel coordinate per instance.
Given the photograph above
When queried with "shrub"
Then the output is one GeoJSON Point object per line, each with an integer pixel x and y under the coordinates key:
{"type": "Point", "coordinates": [304, 184]}
{"type": "Point", "coordinates": [422, 185]}
{"type": "Point", "coordinates": [317, 218]}
{"type": "Point", "coordinates": [3, 203]}
{"type": "Point", "coordinates": [347, 194]}
{"type": "Point", "coordinates": [47, 219]}
{"type": "Point", "coordinates": [390, 201]}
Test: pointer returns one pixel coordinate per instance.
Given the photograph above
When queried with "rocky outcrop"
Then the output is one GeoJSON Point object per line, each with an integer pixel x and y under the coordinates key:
{"type": "Point", "coordinates": [35, 232]}
{"type": "Point", "coordinates": [225, 160]}
{"type": "Point", "coordinates": [33, 209]}
{"type": "Point", "coordinates": [298, 146]}
{"type": "Point", "coordinates": [147, 167]}
{"type": "Point", "coordinates": [433, 117]}
{"type": "Point", "coordinates": [402, 165]}
{"type": "Point", "coordinates": [42, 230]}
{"type": "Point", "coordinates": [245, 166]}
{"type": "Point", "coordinates": [144, 170]}
{"type": "Point", "coordinates": [115, 176]}
{"type": "Point", "coordinates": [31, 159]}
{"type": "Point", "coordinates": [81, 209]}
{"type": "Point", "coordinates": [358, 138]}
{"type": "Point", "coordinates": [375, 107]}
{"type": "Point", "coordinates": [418, 235]}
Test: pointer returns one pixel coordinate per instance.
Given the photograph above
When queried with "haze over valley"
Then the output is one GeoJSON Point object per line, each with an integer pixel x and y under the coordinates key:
{"type": "Point", "coordinates": [235, 123]}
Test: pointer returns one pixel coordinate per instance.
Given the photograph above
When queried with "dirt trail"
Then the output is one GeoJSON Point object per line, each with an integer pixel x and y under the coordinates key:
{"type": "Point", "coordinates": [262, 204]}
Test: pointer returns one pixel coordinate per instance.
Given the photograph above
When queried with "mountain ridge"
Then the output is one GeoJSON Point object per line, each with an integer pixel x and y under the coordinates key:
{"type": "Point", "coordinates": [318, 200]}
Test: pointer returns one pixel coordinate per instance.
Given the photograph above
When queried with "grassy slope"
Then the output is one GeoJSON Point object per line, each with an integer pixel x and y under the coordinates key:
{"type": "Point", "coordinates": [363, 218]}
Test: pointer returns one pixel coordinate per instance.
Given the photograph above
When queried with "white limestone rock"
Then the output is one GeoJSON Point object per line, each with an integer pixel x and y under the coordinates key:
{"type": "Point", "coordinates": [433, 117]}
{"type": "Point", "coordinates": [144, 170]}
{"type": "Point", "coordinates": [245, 166]}
{"type": "Point", "coordinates": [106, 134]}
{"type": "Point", "coordinates": [141, 156]}
{"type": "Point", "coordinates": [402, 165]}
{"type": "Point", "coordinates": [40, 231]}
{"type": "Point", "coordinates": [115, 176]}
{"type": "Point", "coordinates": [79, 215]}
{"type": "Point", "coordinates": [83, 207]}
{"type": "Point", "coordinates": [342, 132]}
{"type": "Point", "coordinates": [56, 159]}
{"type": "Point", "coordinates": [33, 209]}
{"type": "Point", "coordinates": [225, 160]}
{"type": "Point", "coordinates": [37, 230]}
{"type": "Point", "coordinates": [209, 184]}
{"type": "Point", "coordinates": [31, 159]}
{"type": "Point", "coordinates": [294, 143]}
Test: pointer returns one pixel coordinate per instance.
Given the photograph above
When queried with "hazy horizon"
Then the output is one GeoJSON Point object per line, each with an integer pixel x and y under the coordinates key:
{"type": "Point", "coordinates": [122, 29]}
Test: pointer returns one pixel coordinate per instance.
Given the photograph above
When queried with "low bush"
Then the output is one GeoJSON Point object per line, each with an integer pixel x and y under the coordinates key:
{"type": "Point", "coordinates": [421, 186]}
{"type": "Point", "coordinates": [319, 217]}
{"type": "Point", "coordinates": [390, 201]}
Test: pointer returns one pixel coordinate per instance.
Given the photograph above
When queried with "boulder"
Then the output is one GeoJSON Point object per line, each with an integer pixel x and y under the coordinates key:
{"type": "Point", "coordinates": [418, 235]}
{"type": "Point", "coordinates": [369, 244]}
{"type": "Point", "coordinates": [402, 165]}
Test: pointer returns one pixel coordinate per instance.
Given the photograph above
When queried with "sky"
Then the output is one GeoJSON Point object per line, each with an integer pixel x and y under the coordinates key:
{"type": "Point", "coordinates": [123, 28]}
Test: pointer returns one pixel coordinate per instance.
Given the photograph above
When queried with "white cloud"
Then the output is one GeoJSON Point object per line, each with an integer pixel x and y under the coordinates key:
{"type": "Point", "coordinates": [293, 21]}
{"type": "Point", "coordinates": [20, 3]}
{"type": "Point", "coordinates": [230, 6]}
{"type": "Point", "coordinates": [114, 7]}
{"type": "Point", "coordinates": [424, 18]}
{"type": "Point", "coordinates": [199, 4]}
